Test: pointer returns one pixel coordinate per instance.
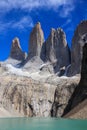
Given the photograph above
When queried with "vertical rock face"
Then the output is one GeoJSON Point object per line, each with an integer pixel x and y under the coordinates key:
{"type": "Point", "coordinates": [26, 96]}
{"type": "Point", "coordinates": [36, 41]}
{"type": "Point", "coordinates": [16, 51]}
{"type": "Point", "coordinates": [80, 92]}
{"type": "Point", "coordinates": [57, 50]}
{"type": "Point", "coordinates": [62, 95]}
{"type": "Point", "coordinates": [80, 36]}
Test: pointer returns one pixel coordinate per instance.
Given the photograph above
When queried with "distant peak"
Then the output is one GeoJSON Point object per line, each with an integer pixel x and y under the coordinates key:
{"type": "Point", "coordinates": [38, 25]}
{"type": "Point", "coordinates": [52, 29]}
{"type": "Point", "coordinates": [16, 43]}
{"type": "Point", "coordinates": [83, 22]}
{"type": "Point", "coordinates": [36, 40]}
{"type": "Point", "coordinates": [16, 50]}
{"type": "Point", "coordinates": [60, 29]}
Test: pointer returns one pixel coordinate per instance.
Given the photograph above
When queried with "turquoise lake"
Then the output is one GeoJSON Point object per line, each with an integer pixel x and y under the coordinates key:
{"type": "Point", "coordinates": [42, 124]}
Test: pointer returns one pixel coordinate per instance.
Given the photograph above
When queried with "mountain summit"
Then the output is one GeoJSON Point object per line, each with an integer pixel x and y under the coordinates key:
{"type": "Point", "coordinates": [16, 50]}
{"type": "Point", "coordinates": [36, 41]}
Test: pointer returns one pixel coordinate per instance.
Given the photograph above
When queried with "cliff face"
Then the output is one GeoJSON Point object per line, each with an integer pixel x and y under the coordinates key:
{"type": "Point", "coordinates": [62, 95]}
{"type": "Point", "coordinates": [72, 97]}
{"type": "Point", "coordinates": [79, 37]}
{"type": "Point", "coordinates": [80, 93]}
{"type": "Point", "coordinates": [56, 50]}
{"type": "Point", "coordinates": [29, 96]}
{"type": "Point", "coordinates": [25, 96]}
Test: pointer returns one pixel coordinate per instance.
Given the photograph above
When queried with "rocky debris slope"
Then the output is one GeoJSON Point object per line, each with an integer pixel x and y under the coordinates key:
{"type": "Point", "coordinates": [36, 41]}
{"type": "Point", "coordinates": [79, 37]}
{"type": "Point", "coordinates": [79, 112]}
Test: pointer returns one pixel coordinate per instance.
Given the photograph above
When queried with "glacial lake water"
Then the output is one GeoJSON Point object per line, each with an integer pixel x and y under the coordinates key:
{"type": "Point", "coordinates": [42, 124]}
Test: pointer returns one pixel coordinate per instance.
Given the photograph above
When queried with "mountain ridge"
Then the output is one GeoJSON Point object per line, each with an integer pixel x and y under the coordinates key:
{"type": "Point", "coordinates": [43, 82]}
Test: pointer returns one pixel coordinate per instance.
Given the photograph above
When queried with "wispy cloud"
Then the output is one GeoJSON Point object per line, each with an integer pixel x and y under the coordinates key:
{"type": "Point", "coordinates": [66, 23]}
{"type": "Point", "coordinates": [6, 5]}
{"type": "Point", "coordinates": [28, 5]}
{"type": "Point", "coordinates": [66, 10]}
{"type": "Point", "coordinates": [23, 23]}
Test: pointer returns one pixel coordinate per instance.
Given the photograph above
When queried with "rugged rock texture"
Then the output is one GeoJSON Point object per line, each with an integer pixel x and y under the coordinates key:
{"type": "Point", "coordinates": [25, 96]}
{"type": "Point", "coordinates": [80, 93]}
{"type": "Point", "coordinates": [33, 64]}
{"type": "Point", "coordinates": [63, 93]}
{"type": "Point", "coordinates": [57, 51]}
{"type": "Point", "coordinates": [32, 94]}
{"type": "Point", "coordinates": [16, 51]}
{"type": "Point", "coordinates": [36, 41]}
{"type": "Point", "coordinates": [80, 36]}
{"type": "Point", "coordinates": [79, 112]}
{"type": "Point", "coordinates": [34, 89]}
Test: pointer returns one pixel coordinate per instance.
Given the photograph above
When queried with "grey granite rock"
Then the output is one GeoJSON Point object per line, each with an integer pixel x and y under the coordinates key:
{"type": "Point", "coordinates": [63, 92]}
{"type": "Point", "coordinates": [57, 50]}
{"type": "Point", "coordinates": [36, 41]}
{"type": "Point", "coordinates": [80, 93]}
{"type": "Point", "coordinates": [79, 37]}
{"type": "Point", "coordinates": [16, 51]}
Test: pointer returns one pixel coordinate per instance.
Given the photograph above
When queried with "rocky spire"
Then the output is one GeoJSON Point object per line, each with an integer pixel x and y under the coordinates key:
{"type": "Point", "coordinates": [78, 42]}
{"type": "Point", "coordinates": [57, 50]}
{"type": "Point", "coordinates": [16, 51]}
{"type": "Point", "coordinates": [36, 41]}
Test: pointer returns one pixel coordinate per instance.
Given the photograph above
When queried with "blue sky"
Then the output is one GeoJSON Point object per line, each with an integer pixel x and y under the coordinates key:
{"type": "Point", "coordinates": [17, 18]}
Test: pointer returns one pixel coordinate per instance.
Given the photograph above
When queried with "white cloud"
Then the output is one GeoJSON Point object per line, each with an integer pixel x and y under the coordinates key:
{"type": "Point", "coordinates": [29, 5]}
{"type": "Point", "coordinates": [66, 10]}
{"type": "Point", "coordinates": [23, 23]}
{"type": "Point", "coordinates": [67, 22]}
{"type": "Point", "coordinates": [6, 5]}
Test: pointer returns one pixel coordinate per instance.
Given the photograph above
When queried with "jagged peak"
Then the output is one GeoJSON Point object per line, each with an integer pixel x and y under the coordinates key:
{"type": "Point", "coordinates": [36, 41]}
{"type": "Point", "coordinates": [16, 50]}
{"type": "Point", "coordinates": [52, 29]}
{"type": "Point", "coordinates": [37, 26]}
{"type": "Point", "coordinates": [81, 28]}
{"type": "Point", "coordinates": [16, 43]}
{"type": "Point", "coordinates": [82, 22]}
{"type": "Point", "coordinates": [60, 29]}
